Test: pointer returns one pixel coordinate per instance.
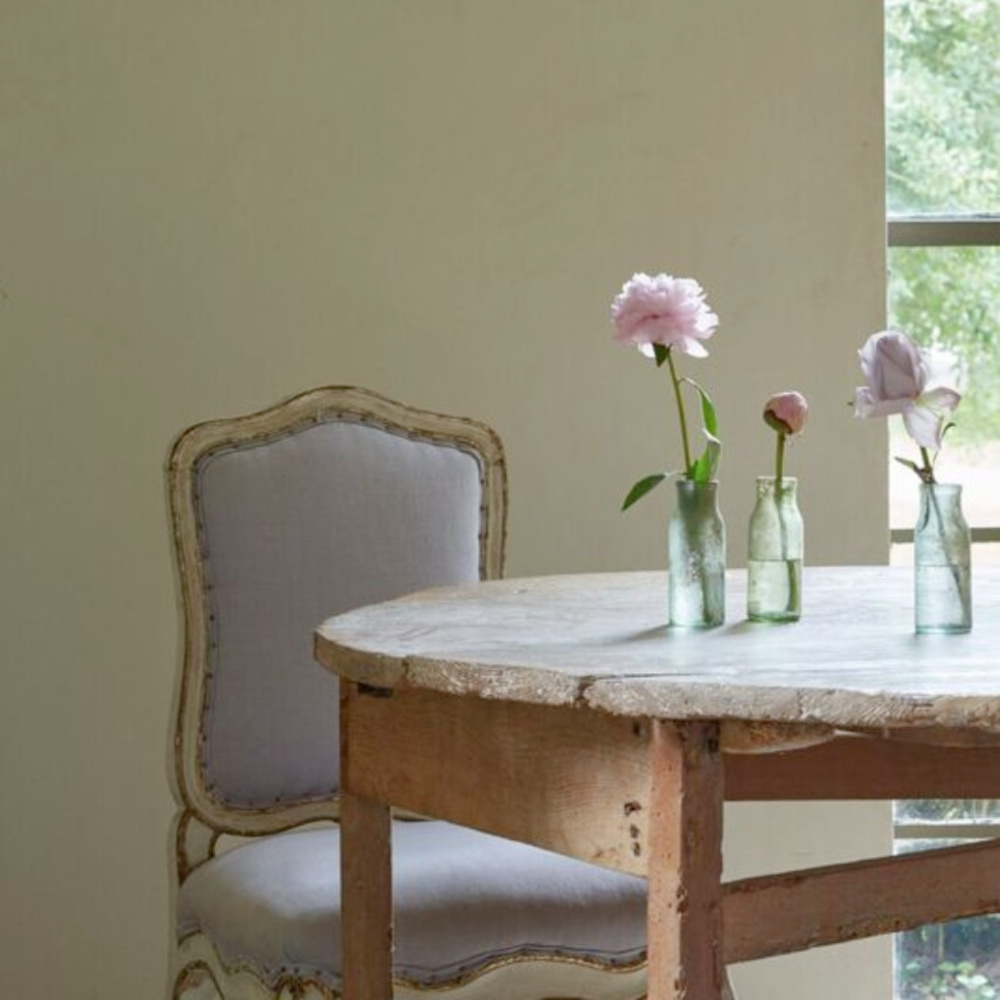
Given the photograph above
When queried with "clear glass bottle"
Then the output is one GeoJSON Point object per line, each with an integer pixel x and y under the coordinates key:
{"type": "Point", "coordinates": [774, 563]}
{"type": "Point", "coordinates": [942, 561]}
{"type": "Point", "coordinates": [696, 540]}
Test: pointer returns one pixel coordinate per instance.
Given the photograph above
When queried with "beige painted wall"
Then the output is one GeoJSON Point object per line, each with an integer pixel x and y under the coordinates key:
{"type": "Point", "coordinates": [209, 204]}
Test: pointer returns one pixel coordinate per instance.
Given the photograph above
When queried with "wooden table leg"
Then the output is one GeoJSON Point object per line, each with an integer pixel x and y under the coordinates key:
{"type": "Point", "coordinates": [365, 879]}
{"type": "Point", "coordinates": [366, 898]}
{"type": "Point", "coordinates": [684, 915]}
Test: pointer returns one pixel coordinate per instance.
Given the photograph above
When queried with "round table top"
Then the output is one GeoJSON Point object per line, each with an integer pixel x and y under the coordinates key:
{"type": "Point", "coordinates": [602, 640]}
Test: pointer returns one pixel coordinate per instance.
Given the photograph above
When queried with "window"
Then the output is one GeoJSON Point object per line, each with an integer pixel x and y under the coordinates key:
{"type": "Point", "coordinates": [943, 194]}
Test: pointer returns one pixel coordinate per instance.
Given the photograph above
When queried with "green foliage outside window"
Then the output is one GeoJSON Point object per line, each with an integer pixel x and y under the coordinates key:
{"type": "Point", "coordinates": [942, 95]}
{"type": "Point", "coordinates": [956, 961]}
{"type": "Point", "coordinates": [943, 158]}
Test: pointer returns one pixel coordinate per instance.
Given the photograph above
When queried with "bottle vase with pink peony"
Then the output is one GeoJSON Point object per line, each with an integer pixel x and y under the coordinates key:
{"type": "Point", "coordinates": [904, 379]}
{"type": "Point", "coordinates": [776, 542]}
{"type": "Point", "coordinates": [663, 317]}
{"type": "Point", "coordinates": [774, 561]}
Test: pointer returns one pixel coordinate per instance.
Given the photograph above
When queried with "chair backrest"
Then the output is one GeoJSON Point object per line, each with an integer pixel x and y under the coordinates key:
{"type": "Point", "coordinates": [327, 501]}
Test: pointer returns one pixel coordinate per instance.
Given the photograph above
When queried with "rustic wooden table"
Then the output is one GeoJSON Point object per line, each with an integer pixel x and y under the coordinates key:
{"type": "Point", "coordinates": [561, 711]}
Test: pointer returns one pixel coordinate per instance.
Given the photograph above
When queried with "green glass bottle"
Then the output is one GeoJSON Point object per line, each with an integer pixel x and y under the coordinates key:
{"type": "Point", "coordinates": [942, 561]}
{"type": "Point", "coordinates": [696, 540]}
{"type": "Point", "coordinates": [774, 563]}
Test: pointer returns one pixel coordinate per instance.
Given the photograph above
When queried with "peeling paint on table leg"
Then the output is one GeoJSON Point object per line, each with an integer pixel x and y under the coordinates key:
{"type": "Point", "coordinates": [684, 917]}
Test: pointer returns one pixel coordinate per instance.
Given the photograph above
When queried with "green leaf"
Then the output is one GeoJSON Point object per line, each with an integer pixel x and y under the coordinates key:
{"type": "Point", "coordinates": [660, 353]}
{"type": "Point", "coordinates": [704, 468]}
{"type": "Point", "coordinates": [643, 487]}
{"type": "Point", "coordinates": [708, 415]}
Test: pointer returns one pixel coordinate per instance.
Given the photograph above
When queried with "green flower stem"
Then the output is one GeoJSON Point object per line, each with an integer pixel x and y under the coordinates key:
{"type": "Point", "coordinates": [927, 472]}
{"type": "Point", "coordinates": [680, 412]}
{"type": "Point", "coordinates": [927, 475]}
{"type": "Point", "coordinates": [779, 483]}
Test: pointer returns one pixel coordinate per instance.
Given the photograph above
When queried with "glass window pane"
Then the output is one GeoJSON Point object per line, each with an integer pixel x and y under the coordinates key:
{"type": "Point", "coordinates": [947, 811]}
{"type": "Point", "coordinates": [956, 961]}
{"type": "Point", "coordinates": [943, 106]}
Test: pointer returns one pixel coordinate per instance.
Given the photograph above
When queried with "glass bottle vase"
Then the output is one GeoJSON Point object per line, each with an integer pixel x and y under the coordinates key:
{"type": "Point", "coordinates": [696, 557]}
{"type": "Point", "coordinates": [942, 561]}
{"type": "Point", "coordinates": [774, 562]}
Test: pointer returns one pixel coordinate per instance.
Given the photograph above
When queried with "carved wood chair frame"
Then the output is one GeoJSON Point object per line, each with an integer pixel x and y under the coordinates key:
{"type": "Point", "coordinates": [202, 819]}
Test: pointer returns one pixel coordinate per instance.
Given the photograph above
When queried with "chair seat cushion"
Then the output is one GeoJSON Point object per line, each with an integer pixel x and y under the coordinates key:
{"type": "Point", "coordinates": [462, 901]}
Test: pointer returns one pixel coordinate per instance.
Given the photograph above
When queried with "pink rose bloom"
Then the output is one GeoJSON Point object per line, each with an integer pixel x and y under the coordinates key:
{"type": "Point", "coordinates": [663, 310]}
{"type": "Point", "coordinates": [897, 375]}
{"type": "Point", "coordinates": [786, 412]}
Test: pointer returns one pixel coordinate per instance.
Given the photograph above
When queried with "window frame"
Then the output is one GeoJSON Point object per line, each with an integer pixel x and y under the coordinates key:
{"type": "Point", "coordinates": [942, 231]}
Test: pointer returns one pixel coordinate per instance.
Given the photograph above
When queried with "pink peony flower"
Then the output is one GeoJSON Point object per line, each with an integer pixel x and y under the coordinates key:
{"type": "Point", "coordinates": [663, 310]}
{"type": "Point", "coordinates": [897, 374]}
{"type": "Point", "coordinates": [786, 412]}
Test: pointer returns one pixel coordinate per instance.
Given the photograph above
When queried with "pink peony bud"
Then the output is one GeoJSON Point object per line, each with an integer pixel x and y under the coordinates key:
{"type": "Point", "coordinates": [786, 412]}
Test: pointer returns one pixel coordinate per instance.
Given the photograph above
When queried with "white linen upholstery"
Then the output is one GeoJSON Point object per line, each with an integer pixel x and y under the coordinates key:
{"type": "Point", "coordinates": [294, 530]}
{"type": "Point", "coordinates": [462, 899]}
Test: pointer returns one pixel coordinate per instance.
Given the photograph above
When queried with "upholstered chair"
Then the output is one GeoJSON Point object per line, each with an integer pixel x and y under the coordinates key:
{"type": "Point", "coordinates": [327, 501]}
